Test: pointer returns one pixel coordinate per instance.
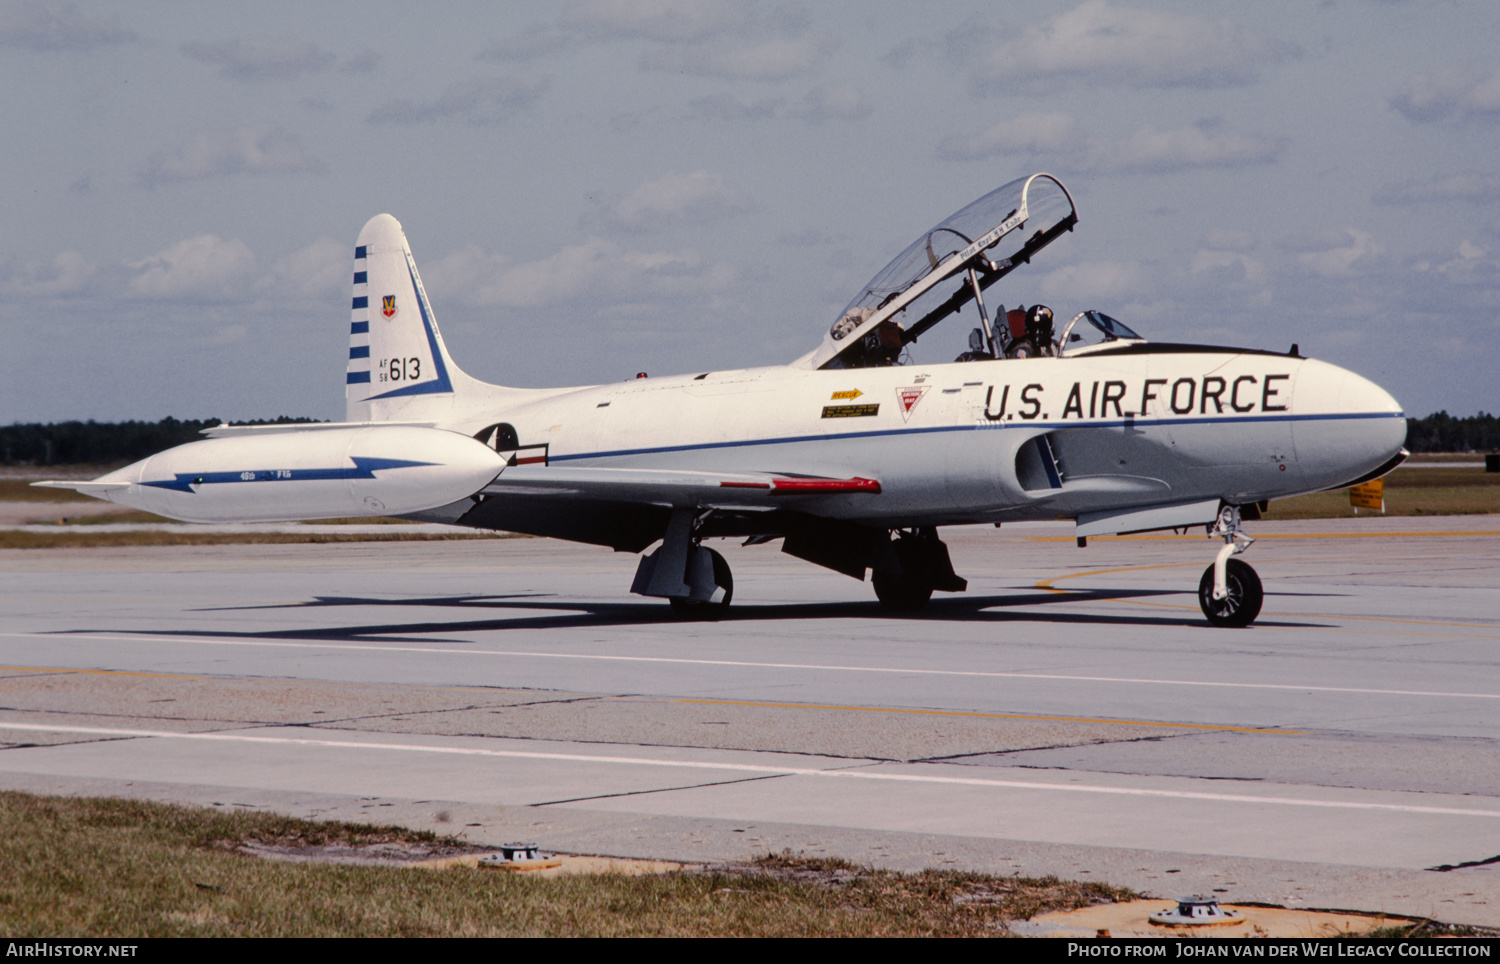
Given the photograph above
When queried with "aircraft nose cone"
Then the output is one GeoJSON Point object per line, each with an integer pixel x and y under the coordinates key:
{"type": "Point", "coordinates": [1352, 426]}
{"type": "Point", "coordinates": [1384, 429]}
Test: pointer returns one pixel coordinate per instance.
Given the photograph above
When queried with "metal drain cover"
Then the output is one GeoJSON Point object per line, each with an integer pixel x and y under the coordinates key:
{"type": "Point", "coordinates": [1196, 911]}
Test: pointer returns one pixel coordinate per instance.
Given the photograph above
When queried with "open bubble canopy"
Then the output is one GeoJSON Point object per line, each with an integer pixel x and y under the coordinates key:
{"type": "Point", "coordinates": [930, 280]}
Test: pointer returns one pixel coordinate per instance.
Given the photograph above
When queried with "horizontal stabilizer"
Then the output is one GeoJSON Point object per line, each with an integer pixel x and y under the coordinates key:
{"type": "Point", "coordinates": [234, 431]}
{"type": "Point", "coordinates": [96, 489]}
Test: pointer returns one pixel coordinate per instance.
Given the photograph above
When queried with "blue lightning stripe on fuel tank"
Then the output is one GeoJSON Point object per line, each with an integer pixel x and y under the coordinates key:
{"type": "Point", "coordinates": [363, 468]}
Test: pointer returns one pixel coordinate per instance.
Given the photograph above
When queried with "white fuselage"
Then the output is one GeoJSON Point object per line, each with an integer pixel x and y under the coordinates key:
{"type": "Point", "coordinates": [947, 442]}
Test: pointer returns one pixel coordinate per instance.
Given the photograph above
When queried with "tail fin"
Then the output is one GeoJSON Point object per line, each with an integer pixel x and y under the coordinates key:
{"type": "Point", "coordinates": [398, 365]}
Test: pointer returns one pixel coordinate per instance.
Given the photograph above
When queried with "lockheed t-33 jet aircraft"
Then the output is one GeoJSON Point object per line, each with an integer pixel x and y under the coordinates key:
{"type": "Point", "coordinates": [851, 456]}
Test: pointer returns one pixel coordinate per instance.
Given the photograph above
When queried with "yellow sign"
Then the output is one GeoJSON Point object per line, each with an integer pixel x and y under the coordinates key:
{"type": "Point", "coordinates": [1371, 495]}
{"type": "Point", "coordinates": [851, 394]}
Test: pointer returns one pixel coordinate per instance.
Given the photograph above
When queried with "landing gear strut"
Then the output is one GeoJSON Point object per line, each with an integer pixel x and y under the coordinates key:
{"type": "Point", "coordinates": [694, 580]}
{"type": "Point", "coordinates": [924, 566]}
{"type": "Point", "coordinates": [716, 573]}
{"type": "Point", "coordinates": [1230, 592]}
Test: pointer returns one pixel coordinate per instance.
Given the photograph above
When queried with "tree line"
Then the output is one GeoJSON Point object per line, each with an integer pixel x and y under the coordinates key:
{"type": "Point", "coordinates": [1442, 432]}
{"type": "Point", "coordinates": [105, 443]}
{"type": "Point", "coordinates": [108, 443]}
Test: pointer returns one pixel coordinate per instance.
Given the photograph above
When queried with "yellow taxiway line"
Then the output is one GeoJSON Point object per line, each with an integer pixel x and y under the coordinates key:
{"type": "Point", "coordinates": [1270, 535]}
{"type": "Point", "coordinates": [996, 716]}
{"type": "Point", "coordinates": [1046, 586]}
{"type": "Point", "coordinates": [789, 706]}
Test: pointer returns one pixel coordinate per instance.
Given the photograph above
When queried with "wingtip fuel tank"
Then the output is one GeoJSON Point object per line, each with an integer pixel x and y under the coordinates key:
{"type": "Point", "coordinates": [278, 476]}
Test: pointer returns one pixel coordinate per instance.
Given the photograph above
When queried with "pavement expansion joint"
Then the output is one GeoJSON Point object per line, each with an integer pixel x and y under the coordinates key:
{"type": "Point", "coordinates": [1445, 868]}
{"type": "Point", "coordinates": [655, 790]}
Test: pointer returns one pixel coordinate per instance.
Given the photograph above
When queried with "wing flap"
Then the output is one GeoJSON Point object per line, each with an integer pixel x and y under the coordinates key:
{"type": "Point", "coordinates": [675, 487]}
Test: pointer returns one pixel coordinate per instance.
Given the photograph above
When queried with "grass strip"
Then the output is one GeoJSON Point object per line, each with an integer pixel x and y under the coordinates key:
{"type": "Point", "coordinates": [89, 867]}
{"type": "Point", "coordinates": [1415, 501]}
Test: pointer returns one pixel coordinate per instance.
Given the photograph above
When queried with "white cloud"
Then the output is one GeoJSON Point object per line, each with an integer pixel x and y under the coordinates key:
{"type": "Point", "coordinates": [478, 101]}
{"type": "Point", "coordinates": [1452, 187]}
{"type": "Point", "coordinates": [660, 20]}
{"type": "Point", "coordinates": [531, 43]}
{"type": "Point", "coordinates": [205, 267]}
{"type": "Point", "coordinates": [68, 273]}
{"type": "Point", "coordinates": [322, 269]}
{"type": "Point", "coordinates": [249, 150]}
{"type": "Point", "coordinates": [58, 26]}
{"type": "Point", "coordinates": [1149, 150]}
{"type": "Point", "coordinates": [1469, 265]}
{"type": "Point", "coordinates": [1449, 93]}
{"type": "Point", "coordinates": [264, 58]}
{"type": "Point", "coordinates": [1034, 133]}
{"type": "Point", "coordinates": [775, 59]}
{"type": "Point", "coordinates": [1228, 267]}
{"type": "Point", "coordinates": [1344, 260]}
{"type": "Point", "coordinates": [674, 198]}
{"type": "Point", "coordinates": [1094, 281]}
{"type": "Point", "coordinates": [365, 62]}
{"type": "Point", "coordinates": [901, 54]}
{"type": "Point", "coordinates": [1103, 43]}
{"type": "Point", "coordinates": [595, 270]}
{"type": "Point", "coordinates": [1226, 239]}
{"type": "Point", "coordinates": [834, 102]}
{"type": "Point", "coordinates": [727, 107]}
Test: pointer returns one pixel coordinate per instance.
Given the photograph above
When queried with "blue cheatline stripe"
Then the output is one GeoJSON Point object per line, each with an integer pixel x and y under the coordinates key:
{"type": "Point", "coordinates": [361, 277]}
{"type": "Point", "coordinates": [363, 301]}
{"type": "Point", "coordinates": [359, 252]}
{"type": "Point", "coordinates": [359, 328]}
{"type": "Point", "coordinates": [440, 384]}
{"type": "Point", "coordinates": [991, 426]}
{"type": "Point", "coordinates": [357, 378]}
{"type": "Point", "coordinates": [359, 351]}
{"type": "Point", "coordinates": [363, 469]}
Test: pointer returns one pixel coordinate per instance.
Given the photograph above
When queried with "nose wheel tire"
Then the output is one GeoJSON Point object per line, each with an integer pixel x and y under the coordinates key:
{"type": "Point", "coordinates": [1239, 608]}
{"type": "Point", "coordinates": [691, 609]}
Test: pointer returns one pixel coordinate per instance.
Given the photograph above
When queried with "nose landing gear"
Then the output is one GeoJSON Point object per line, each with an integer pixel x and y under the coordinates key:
{"type": "Point", "coordinates": [1230, 593]}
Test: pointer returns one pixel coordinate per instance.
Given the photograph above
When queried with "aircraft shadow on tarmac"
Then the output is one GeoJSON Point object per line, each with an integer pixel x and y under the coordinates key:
{"type": "Point", "coordinates": [572, 614]}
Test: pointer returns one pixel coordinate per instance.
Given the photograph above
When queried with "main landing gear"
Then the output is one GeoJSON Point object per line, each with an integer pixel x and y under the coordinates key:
{"type": "Point", "coordinates": [1230, 592]}
{"type": "Point", "coordinates": [694, 580]}
{"type": "Point", "coordinates": [711, 604]}
{"type": "Point", "coordinates": [922, 567]}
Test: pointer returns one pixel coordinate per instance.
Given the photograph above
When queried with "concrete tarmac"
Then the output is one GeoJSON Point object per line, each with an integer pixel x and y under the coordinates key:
{"type": "Point", "coordinates": [1072, 713]}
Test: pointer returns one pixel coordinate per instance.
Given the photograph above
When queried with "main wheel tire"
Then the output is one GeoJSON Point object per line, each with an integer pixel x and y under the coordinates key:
{"type": "Point", "coordinates": [711, 611]}
{"type": "Point", "coordinates": [900, 594]}
{"type": "Point", "coordinates": [1239, 608]}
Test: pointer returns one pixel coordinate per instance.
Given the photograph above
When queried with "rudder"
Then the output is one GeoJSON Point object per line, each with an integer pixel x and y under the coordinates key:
{"type": "Point", "coordinates": [398, 365]}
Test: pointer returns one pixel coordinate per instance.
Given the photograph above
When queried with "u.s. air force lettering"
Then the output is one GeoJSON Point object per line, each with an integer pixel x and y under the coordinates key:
{"type": "Point", "coordinates": [1115, 398]}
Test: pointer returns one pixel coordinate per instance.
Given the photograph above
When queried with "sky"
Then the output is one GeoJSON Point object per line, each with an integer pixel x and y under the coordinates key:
{"type": "Point", "coordinates": [598, 188]}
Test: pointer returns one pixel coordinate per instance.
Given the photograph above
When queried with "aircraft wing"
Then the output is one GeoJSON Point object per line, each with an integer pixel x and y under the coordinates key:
{"type": "Point", "coordinates": [673, 487]}
{"type": "Point", "coordinates": [629, 509]}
